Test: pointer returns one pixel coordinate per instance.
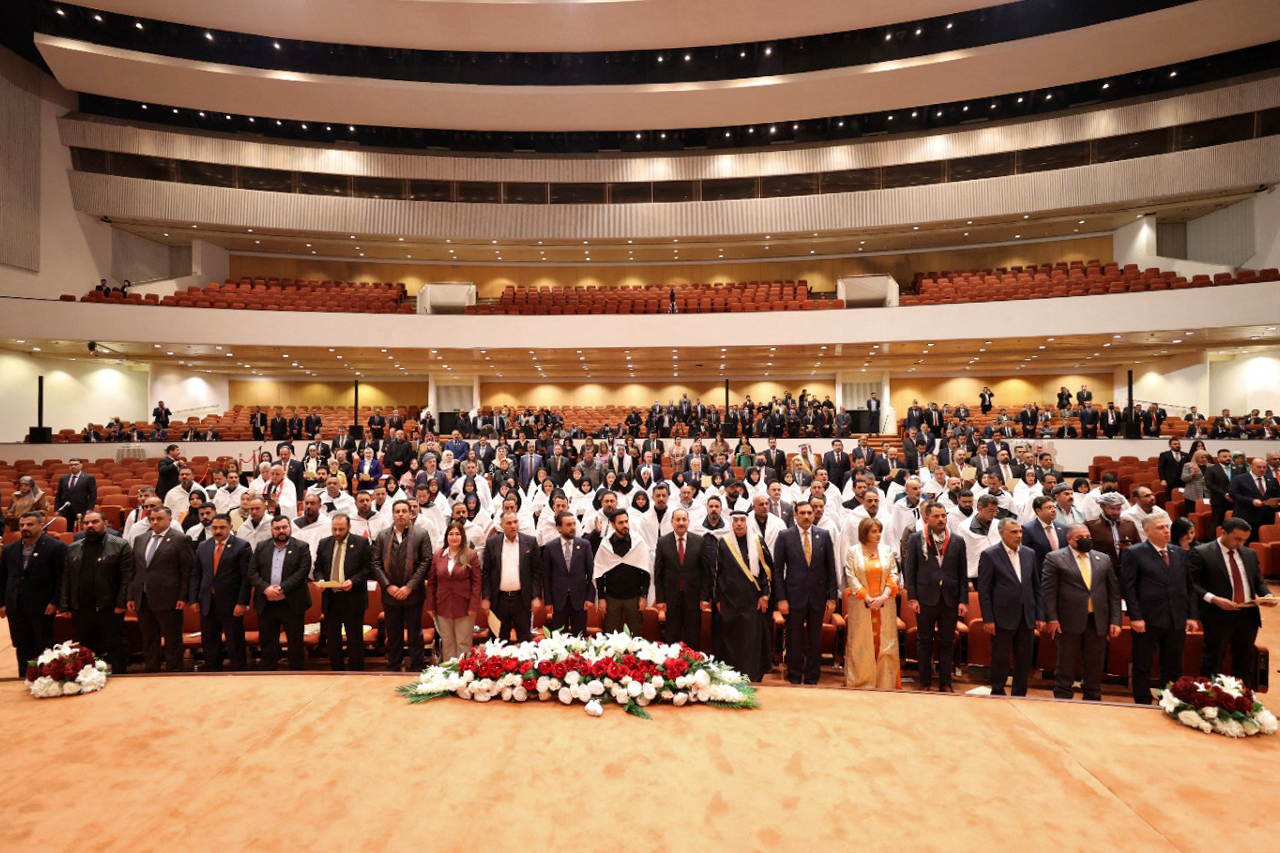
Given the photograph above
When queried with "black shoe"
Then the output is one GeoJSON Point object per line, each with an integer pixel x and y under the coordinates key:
{"type": "Point", "coordinates": [792, 680]}
{"type": "Point", "coordinates": [807, 681]}
{"type": "Point", "coordinates": [946, 688]}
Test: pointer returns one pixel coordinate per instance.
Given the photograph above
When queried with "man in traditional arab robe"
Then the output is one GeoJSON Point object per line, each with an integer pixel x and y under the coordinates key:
{"type": "Point", "coordinates": [739, 590]}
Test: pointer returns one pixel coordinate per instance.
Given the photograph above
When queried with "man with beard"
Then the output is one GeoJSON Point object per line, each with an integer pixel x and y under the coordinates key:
{"type": "Point", "coordinates": [979, 532]}
{"type": "Point", "coordinates": [763, 523]}
{"type": "Point", "coordinates": [713, 523]}
{"type": "Point", "coordinates": [220, 592]}
{"type": "Point", "coordinates": [681, 563]}
{"type": "Point", "coordinates": [95, 585]}
{"type": "Point", "coordinates": [256, 529]}
{"type": "Point", "coordinates": [621, 574]}
{"type": "Point", "coordinates": [312, 525]}
{"type": "Point", "coordinates": [278, 573]}
{"type": "Point", "coordinates": [935, 568]}
{"type": "Point", "coordinates": [739, 590]}
{"type": "Point", "coordinates": [401, 559]}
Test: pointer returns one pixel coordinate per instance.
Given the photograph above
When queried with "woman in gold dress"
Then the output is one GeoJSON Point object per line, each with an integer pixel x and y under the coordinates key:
{"type": "Point", "coordinates": [872, 578]}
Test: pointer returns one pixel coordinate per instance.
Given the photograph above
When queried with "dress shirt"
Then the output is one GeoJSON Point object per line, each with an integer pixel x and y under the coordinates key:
{"type": "Point", "coordinates": [1015, 561]}
{"type": "Point", "coordinates": [277, 564]}
{"type": "Point", "coordinates": [510, 565]}
{"type": "Point", "coordinates": [1226, 561]}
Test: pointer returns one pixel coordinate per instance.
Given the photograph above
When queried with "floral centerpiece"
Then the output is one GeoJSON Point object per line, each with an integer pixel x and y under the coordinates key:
{"type": "Point", "coordinates": [618, 668]}
{"type": "Point", "coordinates": [66, 670]}
{"type": "Point", "coordinates": [1220, 704]}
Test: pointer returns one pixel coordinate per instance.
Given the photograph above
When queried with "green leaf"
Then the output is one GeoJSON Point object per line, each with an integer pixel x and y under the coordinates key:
{"type": "Point", "coordinates": [636, 711]}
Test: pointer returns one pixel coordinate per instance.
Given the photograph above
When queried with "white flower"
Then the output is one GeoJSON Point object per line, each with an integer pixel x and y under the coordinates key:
{"type": "Point", "coordinates": [544, 695]}
{"type": "Point", "coordinates": [70, 688]}
{"type": "Point", "coordinates": [634, 689]}
{"type": "Point", "coordinates": [702, 678]}
{"type": "Point", "coordinates": [573, 677]}
{"type": "Point", "coordinates": [649, 692]}
{"type": "Point", "coordinates": [1232, 728]}
{"type": "Point", "coordinates": [1250, 726]}
{"type": "Point", "coordinates": [506, 694]}
{"type": "Point", "coordinates": [657, 681]}
{"type": "Point", "coordinates": [520, 694]}
{"type": "Point", "coordinates": [553, 685]}
{"type": "Point", "coordinates": [91, 678]}
{"type": "Point", "coordinates": [45, 687]}
{"type": "Point", "coordinates": [1190, 718]}
{"type": "Point", "coordinates": [682, 682]}
{"type": "Point", "coordinates": [565, 696]}
{"type": "Point", "coordinates": [482, 697]}
{"type": "Point", "coordinates": [1209, 713]}
{"type": "Point", "coordinates": [1168, 702]}
{"type": "Point", "coordinates": [642, 701]}
{"type": "Point", "coordinates": [101, 665]}
{"type": "Point", "coordinates": [680, 699]}
{"type": "Point", "coordinates": [596, 688]}
{"type": "Point", "coordinates": [703, 694]}
{"type": "Point", "coordinates": [423, 687]}
{"type": "Point", "coordinates": [544, 683]}
{"type": "Point", "coordinates": [1230, 685]}
{"type": "Point", "coordinates": [666, 695]}
{"type": "Point", "coordinates": [594, 708]}
{"type": "Point", "coordinates": [1267, 721]}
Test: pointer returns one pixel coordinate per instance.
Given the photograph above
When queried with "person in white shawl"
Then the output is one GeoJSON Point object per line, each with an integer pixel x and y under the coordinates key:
{"type": "Point", "coordinates": [623, 579]}
{"type": "Point", "coordinates": [546, 530]}
{"type": "Point", "coordinates": [713, 523]}
{"type": "Point", "coordinates": [764, 523]}
{"type": "Point", "coordinates": [471, 474]}
{"type": "Point", "coordinates": [643, 521]}
{"type": "Point", "coordinates": [583, 501]}
{"type": "Point", "coordinates": [365, 522]}
{"type": "Point", "coordinates": [313, 525]}
{"type": "Point", "coordinates": [873, 506]}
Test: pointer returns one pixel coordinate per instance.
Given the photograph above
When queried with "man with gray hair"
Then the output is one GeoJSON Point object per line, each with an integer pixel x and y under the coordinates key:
{"type": "Point", "coordinates": [1009, 597]}
{"type": "Point", "coordinates": [1082, 599]}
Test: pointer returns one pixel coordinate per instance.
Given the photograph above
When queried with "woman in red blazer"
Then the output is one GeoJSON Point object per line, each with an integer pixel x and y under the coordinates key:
{"type": "Point", "coordinates": [453, 591]}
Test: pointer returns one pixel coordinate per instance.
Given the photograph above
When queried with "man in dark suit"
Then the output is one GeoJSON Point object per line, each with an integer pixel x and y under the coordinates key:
{"type": "Point", "coordinates": [837, 464]}
{"type": "Point", "coordinates": [1044, 533]}
{"type": "Point", "coordinates": [311, 424]}
{"type": "Point", "coordinates": [935, 566]}
{"type": "Point", "coordinates": [278, 573]}
{"type": "Point", "coordinates": [77, 491]}
{"type": "Point", "coordinates": [401, 559]}
{"type": "Point", "coordinates": [528, 468]}
{"type": "Point", "coordinates": [1012, 611]}
{"type": "Point", "coordinates": [1217, 480]}
{"type": "Point", "coordinates": [874, 411]}
{"type": "Point", "coordinates": [1159, 594]}
{"type": "Point", "coordinates": [220, 589]}
{"type": "Point", "coordinates": [681, 565]}
{"type": "Point", "coordinates": [1090, 418]}
{"type": "Point", "coordinates": [1169, 467]}
{"type": "Point", "coordinates": [1112, 420]}
{"type": "Point", "coordinates": [1081, 596]}
{"type": "Point", "coordinates": [654, 444]}
{"type": "Point", "coordinates": [1084, 395]}
{"type": "Point", "coordinates": [167, 471]}
{"type": "Point", "coordinates": [511, 578]}
{"type": "Point", "coordinates": [346, 560]}
{"type": "Point", "coordinates": [342, 440]}
{"type": "Point", "coordinates": [805, 570]}
{"type": "Point", "coordinates": [30, 579]}
{"type": "Point", "coordinates": [775, 458]}
{"type": "Point", "coordinates": [95, 585]}
{"type": "Point", "coordinates": [162, 565]}
{"type": "Point", "coordinates": [1226, 577]}
{"type": "Point", "coordinates": [161, 414]}
{"type": "Point", "coordinates": [279, 427]}
{"type": "Point", "coordinates": [1110, 533]}
{"type": "Point", "coordinates": [1255, 496]}
{"type": "Point", "coordinates": [567, 566]}
{"type": "Point", "coordinates": [258, 423]}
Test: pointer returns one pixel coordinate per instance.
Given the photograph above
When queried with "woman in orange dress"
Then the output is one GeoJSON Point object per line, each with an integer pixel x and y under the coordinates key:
{"type": "Point", "coordinates": [871, 575]}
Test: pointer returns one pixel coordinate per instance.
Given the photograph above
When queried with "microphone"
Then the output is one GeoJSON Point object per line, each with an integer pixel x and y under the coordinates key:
{"type": "Point", "coordinates": [56, 515]}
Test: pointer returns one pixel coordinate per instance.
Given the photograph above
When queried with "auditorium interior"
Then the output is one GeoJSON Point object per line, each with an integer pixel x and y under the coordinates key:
{"type": "Point", "coordinates": [345, 210]}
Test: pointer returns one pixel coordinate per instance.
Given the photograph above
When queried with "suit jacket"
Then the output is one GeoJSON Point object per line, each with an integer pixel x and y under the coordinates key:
{"type": "Point", "coordinates": [82, 498]}
{"type": "Point", "coordinates": [1005, 597]}
{"type": "Point", "coordinates": [1034, 537]}
{"type": "Point", "coordinates": [1170, 469]}
{"type": "Point", "coordinates": [293, 577]}
{"type": "Point", "coordinates": [572, 582]}
{"type": "Point", "coordinates": [413, 573]}
{"type": "Point", "coordinates": [776, 459]}
{"type": "Point", "coordinates": [1211, 575]}
{"type": "Point", "coordinates": [166, 476]}
{"type": "Point", "coordinates": [167, 578]}
{"type": "Point", "coordinates": [1162, 596]}
{"type": "Point", "coordinates": [669, 574]}
{"type": "Point", "coordinates": [114, 566]}
{"type": "Point", "coordinates": [803, 584]}
{"type": "Point", "coordinates": [357, 566]}
{"type": "Point", "coordinates": [279, 428]}
{"type": "Point", "coordinates": [1244, 491]}
{"type": "Point", "coordinates": [932, 581]}
{"type": "Point", "coordinates": [455, 595]}
{"type": "Point", "coordinates": [1100, 532]}
{"type": "Point", "coordinates": [1066, 598]}
{"type": "Point", "coordinates": [786, 511]}
{"type": "Point", "coordinates": [230, 587]}
{"type": "Point", "coordinates": [530, 567]}
{"type": "Point", "coordinates": [837, 470]}
{"type": "Point", "coordinates": [1218, 481]}
{"type": "Point", "coordinates": [40, 583]}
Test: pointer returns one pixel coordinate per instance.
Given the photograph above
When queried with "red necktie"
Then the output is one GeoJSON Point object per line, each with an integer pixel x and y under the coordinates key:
{"type": "Point", "coordinates": [1237, 579]}
{"type": "Point", "coordinates": [217, 558]}
{"type": "Point", "coordinates": [680, 549]}
{"type": "Point", "coordinates": [1164, 555]}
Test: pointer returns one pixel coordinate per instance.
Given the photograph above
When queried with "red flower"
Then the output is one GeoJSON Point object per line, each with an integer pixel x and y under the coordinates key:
{"type": "Point", "coordinates": [33, 672]}
{"type": "Point", "coordinates": [530, 684]}
{"type": "Point", "coordinates": [559, 670]}
{"type": "Point", "coordinates": [544, 667]}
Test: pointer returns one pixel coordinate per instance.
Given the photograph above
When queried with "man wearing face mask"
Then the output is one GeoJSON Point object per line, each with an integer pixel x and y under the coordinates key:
{"type": "Point", "coordinates": [1081, 595]}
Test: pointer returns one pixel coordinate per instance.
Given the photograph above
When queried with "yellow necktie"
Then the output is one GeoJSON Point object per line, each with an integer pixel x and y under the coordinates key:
{"type": "Point", "coordinates": [339, 554]}
{"type": "Point", "coordinates": [808, 549]}
{"type": "Point", "coordinates": [1086, 572]}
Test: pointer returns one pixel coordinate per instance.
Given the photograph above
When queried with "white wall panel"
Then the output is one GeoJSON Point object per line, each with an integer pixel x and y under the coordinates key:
{"type": "Point", "coordinates": [1089, 124]}
{"type": "Point", "coordinates": [1223, 237]}
{"type": "Point", "coordinates": [76, 392]}
{"type": "Point", "coordinates": [20, 166]}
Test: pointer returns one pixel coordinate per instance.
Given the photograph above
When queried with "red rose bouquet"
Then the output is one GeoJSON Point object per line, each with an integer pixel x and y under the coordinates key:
{"type": "Point", "coordinates": [1221, 704]}
{"type": "Point", "coordinates": [66, 669]}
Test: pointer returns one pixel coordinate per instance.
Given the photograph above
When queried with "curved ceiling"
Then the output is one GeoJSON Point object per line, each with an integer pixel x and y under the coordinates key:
{"type": "Point", "coordinates": [1117, 47]}
{"type": "Point", "coordinates": [537, 25]}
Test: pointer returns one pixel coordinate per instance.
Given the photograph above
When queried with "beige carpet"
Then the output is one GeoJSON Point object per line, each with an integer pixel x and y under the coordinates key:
{"type": "Point", "coordinates": [338, 762]}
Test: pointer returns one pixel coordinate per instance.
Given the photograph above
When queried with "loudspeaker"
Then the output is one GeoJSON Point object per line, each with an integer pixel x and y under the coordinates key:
{"type": "Point", "coordinates": [40, 435]}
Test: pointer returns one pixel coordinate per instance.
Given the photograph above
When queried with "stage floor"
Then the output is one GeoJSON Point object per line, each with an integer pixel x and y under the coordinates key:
{"type": "Point", "coordinates": [339, 762]}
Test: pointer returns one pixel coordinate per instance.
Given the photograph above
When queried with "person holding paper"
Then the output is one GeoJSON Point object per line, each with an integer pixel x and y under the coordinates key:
{"type": "Point", "coordinates": [1226, 577]}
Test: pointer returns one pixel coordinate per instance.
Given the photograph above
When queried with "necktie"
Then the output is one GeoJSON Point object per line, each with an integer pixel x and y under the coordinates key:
{"type": "Point", "coordinates": [1086, 572]}
{"type": "Point", "coordinates": [75, 477]}
{"type": "Point", "coordinates": [1237, 579]}
{"type": "Point", "coordinates": [567, 544]}
{"type": "Point", "coordinates": [1164, 555]}
{"type": "Point", "coordinates": [808, 549]}
{"type": "Point", "coordinates": [217, 558]}
{"type": "Point", "coordinates": [339, 559]}
{"type": "Point", "coordinates": [680, 550]}
{"type": "Point", "coordinates": [1053, 536]}
{"type": "Point", "coordinates": [151, 547]}
{"type": "Point", "coordinates": [1262, 487]}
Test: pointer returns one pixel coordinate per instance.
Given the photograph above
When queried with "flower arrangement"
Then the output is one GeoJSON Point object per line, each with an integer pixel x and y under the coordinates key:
{"type": "Point", "coordinates": [618, 668]}
{"type": "Point", "coordinates": [66, 670]}
{"type": "Point", "coordinates": [1220, 704]}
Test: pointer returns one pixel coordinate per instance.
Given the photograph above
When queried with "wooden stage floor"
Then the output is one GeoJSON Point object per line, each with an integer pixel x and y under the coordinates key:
{"type": "Point", "coordinates": [339, 762]}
